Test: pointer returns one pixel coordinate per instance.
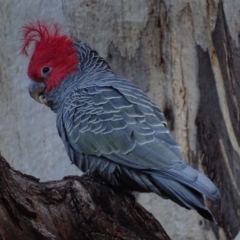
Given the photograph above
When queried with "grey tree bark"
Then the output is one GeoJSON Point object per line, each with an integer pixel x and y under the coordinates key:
{"type": "Point", "coordinates": [184, 54]}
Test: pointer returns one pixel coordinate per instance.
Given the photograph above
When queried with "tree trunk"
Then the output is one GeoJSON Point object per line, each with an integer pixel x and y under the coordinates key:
{"type": "Point", "coordinates": [73, 208]}
{"type": "Point", "coordinates": [184, 54]}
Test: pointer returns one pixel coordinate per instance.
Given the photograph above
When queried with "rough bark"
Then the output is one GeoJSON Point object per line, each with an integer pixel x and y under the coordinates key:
{"type": "Point", "coordinates": [218, 122]}
{"type": "Point", "coordinates": [73, 208]}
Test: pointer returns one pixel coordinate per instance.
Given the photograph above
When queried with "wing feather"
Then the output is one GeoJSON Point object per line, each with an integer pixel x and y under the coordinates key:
{"type": "Point", "coordinates": [118, 122]}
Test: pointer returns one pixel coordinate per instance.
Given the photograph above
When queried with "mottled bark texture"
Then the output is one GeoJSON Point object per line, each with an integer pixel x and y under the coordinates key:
{"type": "Point", "coordinates": [218, 122]}
{"type": "Point", "coordinates": [73, 208]}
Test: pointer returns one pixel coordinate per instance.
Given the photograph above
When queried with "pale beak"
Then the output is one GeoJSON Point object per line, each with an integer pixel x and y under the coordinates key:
{"type": "Point", "coordinates": [36, 91]}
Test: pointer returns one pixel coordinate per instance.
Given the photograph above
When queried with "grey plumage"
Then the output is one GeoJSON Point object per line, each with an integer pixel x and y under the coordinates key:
{"type": "Point", "coordinates": [112, 129]}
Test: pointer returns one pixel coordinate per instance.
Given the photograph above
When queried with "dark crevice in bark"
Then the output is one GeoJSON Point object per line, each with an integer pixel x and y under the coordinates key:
{"type": "Point", "coordinates": [219, 158]}
{"type": "Point", "coordinates": [207, 131]}
{"type": "Point", "coordinates": [229, 65]}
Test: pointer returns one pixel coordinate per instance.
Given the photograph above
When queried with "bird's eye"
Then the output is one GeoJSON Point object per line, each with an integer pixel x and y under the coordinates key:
{"type": "Point", "coordinates": [45, 71]}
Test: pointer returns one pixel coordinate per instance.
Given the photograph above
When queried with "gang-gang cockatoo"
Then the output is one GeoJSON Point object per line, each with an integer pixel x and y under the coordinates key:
{"type": "Point", "coordinates": [110, 128]}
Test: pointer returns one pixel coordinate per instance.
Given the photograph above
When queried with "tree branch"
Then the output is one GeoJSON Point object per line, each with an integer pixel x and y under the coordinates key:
{"type": "Point", "coordinates": [73, 208]}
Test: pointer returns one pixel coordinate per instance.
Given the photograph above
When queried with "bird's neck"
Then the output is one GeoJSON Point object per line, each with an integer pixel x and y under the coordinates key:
{"type": "Point", "coordinates": [90, 66]}
{"type": "Point", "coordinates": [89, 59]}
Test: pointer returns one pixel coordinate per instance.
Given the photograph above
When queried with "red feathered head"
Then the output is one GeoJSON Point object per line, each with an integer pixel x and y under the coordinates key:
{"type": "Point", "coordinates": [53, 56]}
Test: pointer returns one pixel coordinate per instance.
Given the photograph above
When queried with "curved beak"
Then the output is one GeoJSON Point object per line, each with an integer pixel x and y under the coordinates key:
{"type": "Point", "coordinates": [36, 91]}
